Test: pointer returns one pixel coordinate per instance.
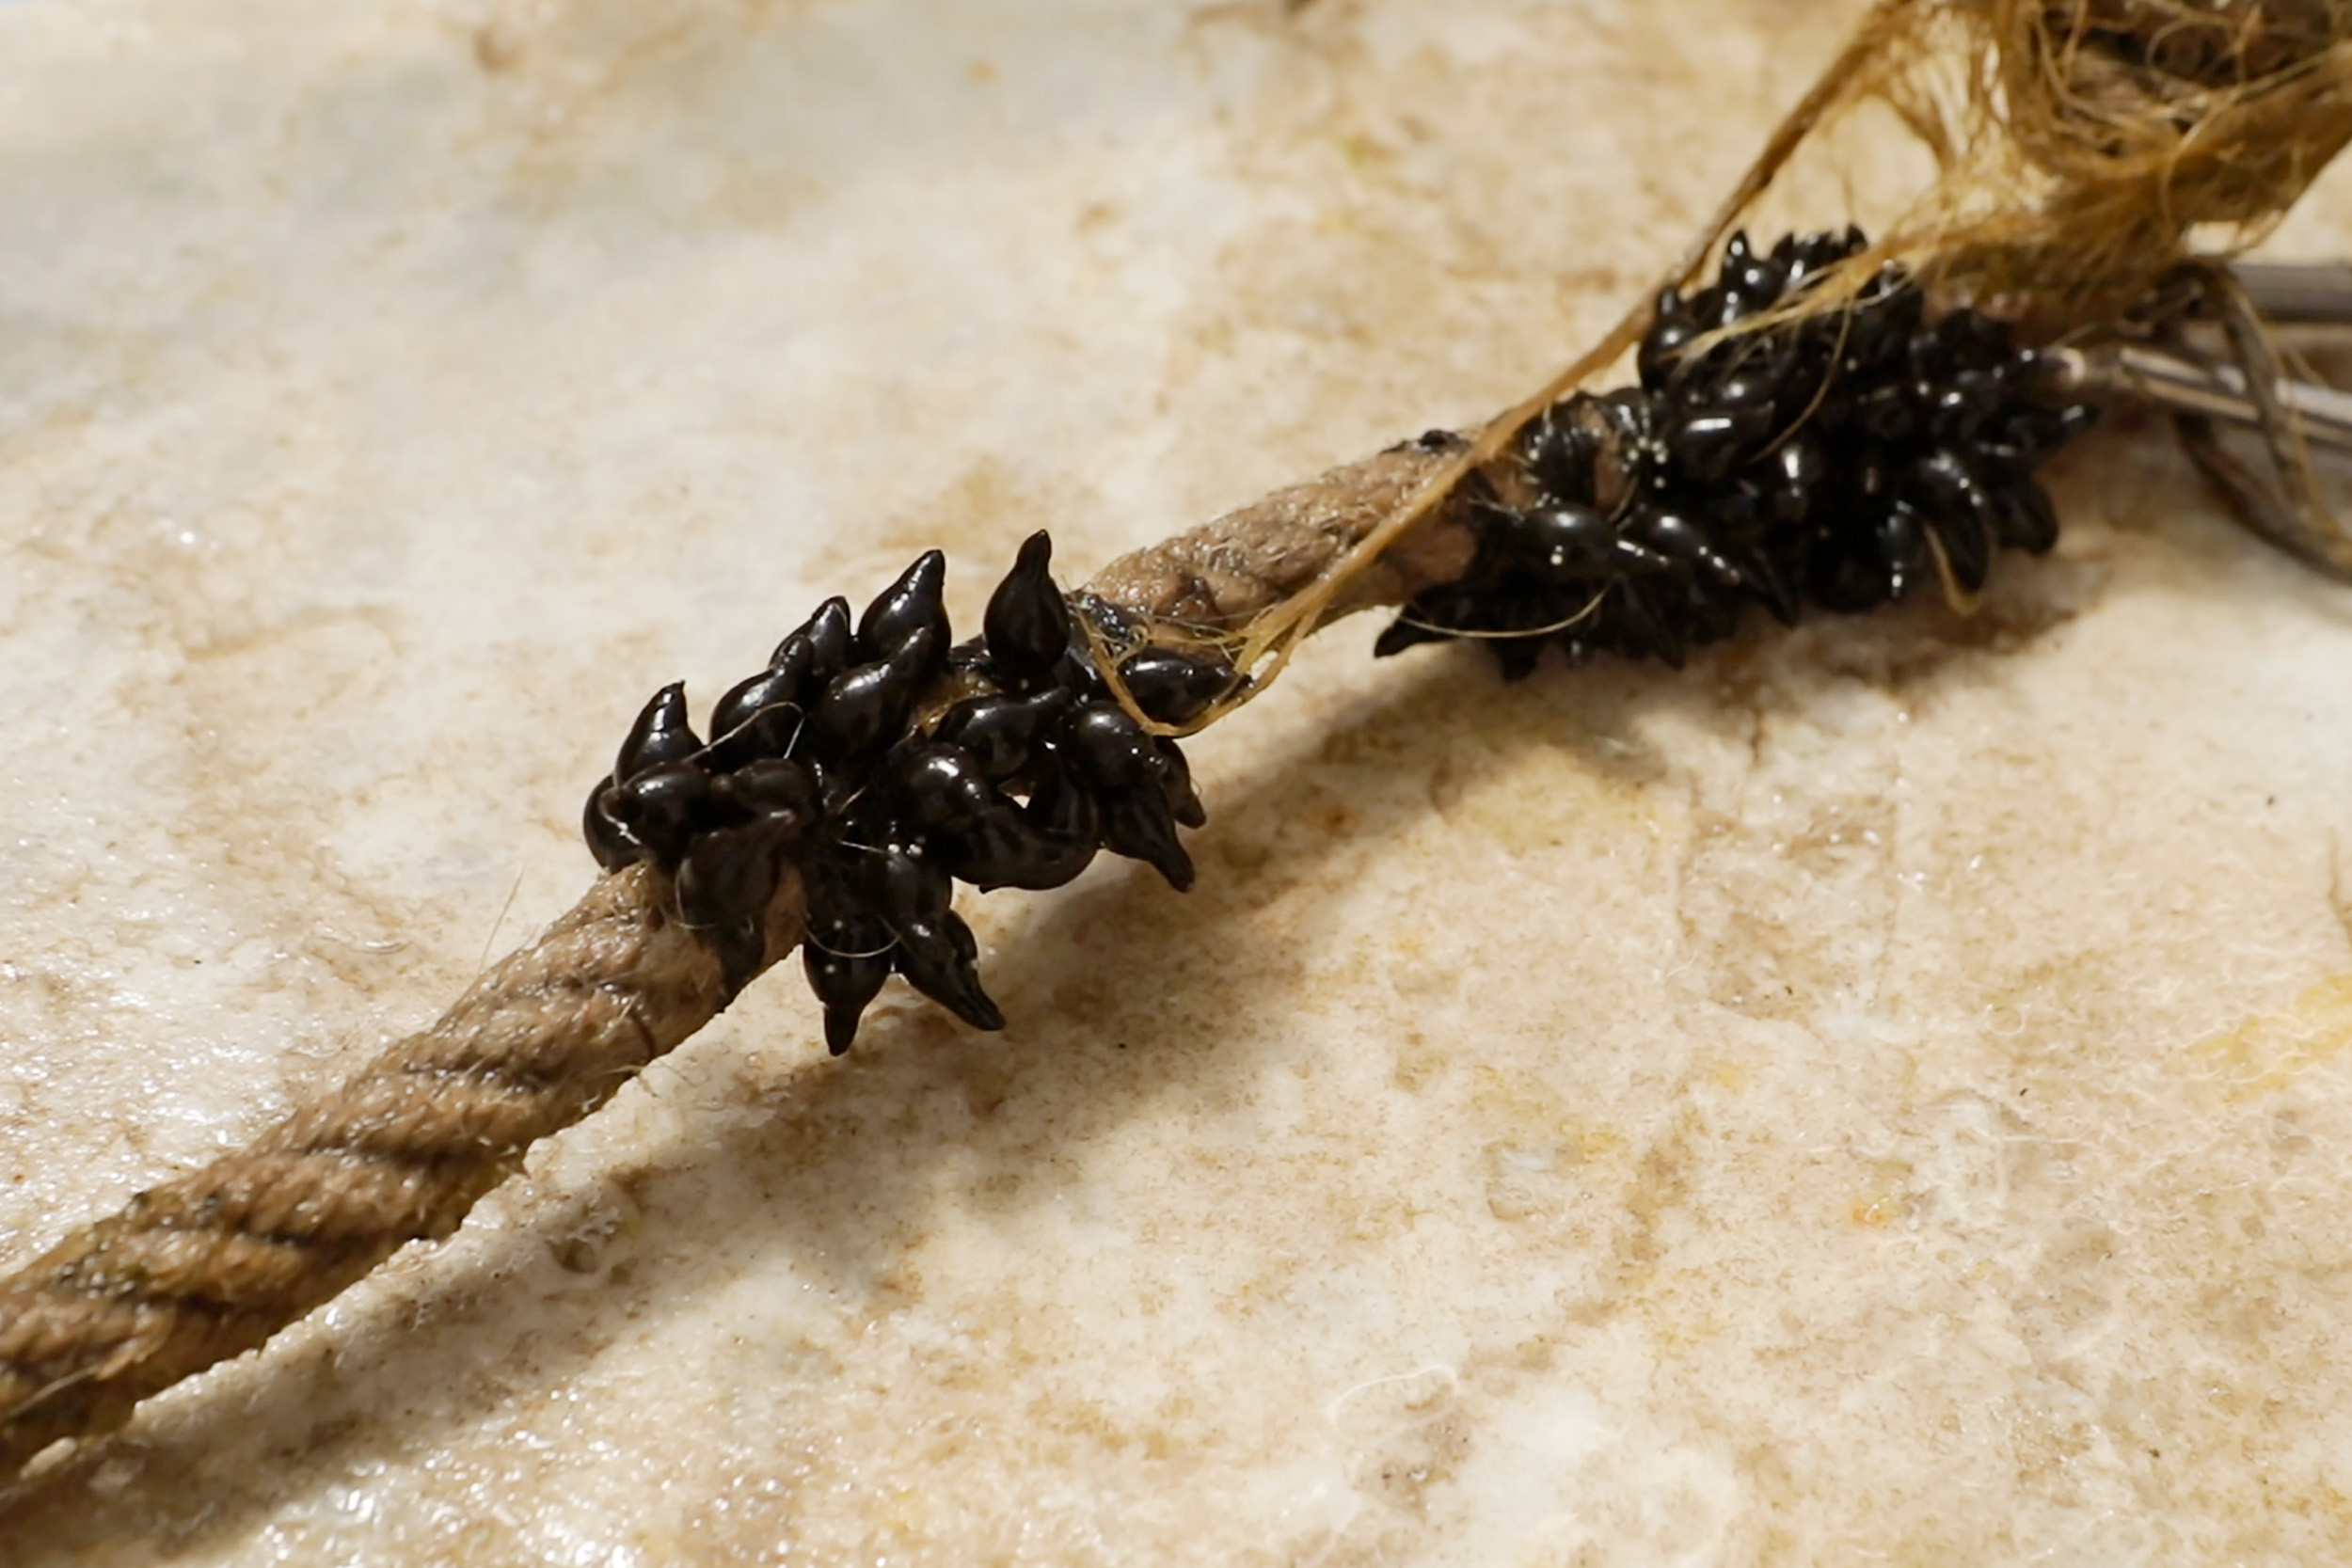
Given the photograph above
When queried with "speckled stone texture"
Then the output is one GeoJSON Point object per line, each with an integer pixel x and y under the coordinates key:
{"type": "Point", "coordinates": [1878, 1094]}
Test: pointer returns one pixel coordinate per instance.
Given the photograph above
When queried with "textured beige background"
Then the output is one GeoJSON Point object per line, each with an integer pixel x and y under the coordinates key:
{"type": "Point", "coordinates": [1880, 1095]}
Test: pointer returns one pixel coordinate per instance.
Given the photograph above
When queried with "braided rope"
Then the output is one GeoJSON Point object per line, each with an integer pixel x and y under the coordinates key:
{"type": "Point", "coordinates": [206, 1267]}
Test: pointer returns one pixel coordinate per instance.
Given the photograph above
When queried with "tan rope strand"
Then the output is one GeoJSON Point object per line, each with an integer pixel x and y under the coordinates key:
{"type": "Point", "coordinates": [205, 1267]}
{"type": "Point", "coordinates": [1225, 573]}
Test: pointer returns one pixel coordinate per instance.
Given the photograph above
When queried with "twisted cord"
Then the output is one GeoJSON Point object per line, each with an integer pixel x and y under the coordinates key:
{"type": "Point", "coordinates": [206, 1267]}
{"type": "Point", "coordinates": [1226, 573]}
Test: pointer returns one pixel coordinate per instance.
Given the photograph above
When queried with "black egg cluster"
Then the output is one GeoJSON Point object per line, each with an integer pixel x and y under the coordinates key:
{"type": "Point", "coordinates": [884, 765]}
{"type": "Point", "coordinates": [1833, 461]}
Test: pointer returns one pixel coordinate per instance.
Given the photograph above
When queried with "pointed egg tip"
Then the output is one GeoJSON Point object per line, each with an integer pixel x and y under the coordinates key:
{"type": "Point", "coordinates": [841, 1029]}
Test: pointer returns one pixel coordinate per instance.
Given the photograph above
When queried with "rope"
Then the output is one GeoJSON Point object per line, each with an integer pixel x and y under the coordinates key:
{"type": "Point", "coordinates": [206, 1267]}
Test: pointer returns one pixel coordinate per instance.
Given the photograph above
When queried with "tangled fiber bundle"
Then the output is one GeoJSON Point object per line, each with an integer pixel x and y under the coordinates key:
{"type": "Point", "coordinates": [2088, 148]}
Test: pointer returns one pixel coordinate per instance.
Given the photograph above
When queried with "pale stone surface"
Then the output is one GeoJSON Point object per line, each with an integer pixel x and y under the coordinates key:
{"type": "Point", "coordinates": [1878, 1095]}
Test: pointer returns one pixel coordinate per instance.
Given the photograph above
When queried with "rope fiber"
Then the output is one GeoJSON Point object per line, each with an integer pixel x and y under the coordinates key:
{"type": "Point", "coordinates": [210, 1265]}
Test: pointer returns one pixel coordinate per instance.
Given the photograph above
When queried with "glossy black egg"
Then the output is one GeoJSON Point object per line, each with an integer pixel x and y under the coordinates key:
{"type": "Point", "coordinates": [786, 793]}
{"type": "Point", "coordinates": [916, 602]}
{"type": "Point", "coordinates": [941, 788]}
{"type": "Point", "coordinates": [614, 844]}
{"type": "Point", "coordinates": [1106, 748]}
{"type": "Point", "coordinates": [660, 735]}
{"type": "Point", "coordinates": [769, 701]}
{"type": "Point", "coordinates": [661, 807]}
{"type": "Point", "coordinates": [1174, 687]}
{"type": "Point", "coordinates": [1026, 625]}
{"type": "Point", "coordinates": [1706, 444]}
{"type": "Point", "coordinates": [847, 965]}
{"type": "Point", "coordinates": [868, 705]}
{"type": "Point", "coordinates": [829, 641]}
{"type": "Point", "coordinates": [1137, 823]}
{"type": "Point", "coordinates": [941, 958]}
{"type": "Point", "coordinates": [1001, 733]}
